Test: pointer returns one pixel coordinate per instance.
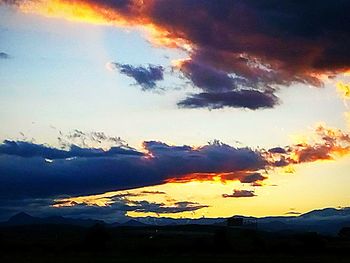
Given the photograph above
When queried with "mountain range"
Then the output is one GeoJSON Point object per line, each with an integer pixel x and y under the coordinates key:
{"type": "Point", "coordinates": [324, 221]}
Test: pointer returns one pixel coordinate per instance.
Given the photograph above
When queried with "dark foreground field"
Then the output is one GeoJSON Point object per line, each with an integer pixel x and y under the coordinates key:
{"type": "Point", "coordinates": [191, 243]}
{"type": "Point", "coordinates": [87, 258]}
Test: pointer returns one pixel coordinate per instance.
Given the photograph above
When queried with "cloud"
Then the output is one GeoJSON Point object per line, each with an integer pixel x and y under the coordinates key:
{"type": "Point", "coordinates": [25, 173]}
{"type": "Point", "coordinates": [146, 77]}
{"type": "Point", "coordinates": [221, 89]}
{"type": "Point", "coordinates": [293, 213]}
{"type": "Point", "coordinates": [325, 144]}
{"type": "Point", "coordinates": [207, 78]}
{"type": "Point", "coordinates": [249, 99]}
{"type": "Point", "coordinates": [242, 47]}
{"type": "Point", "coordinates": [28, 149]}
{"type": "Point", "coordinates": [37, 178]}
{"type": "Point", "coordinates": [277, 150]}
{"type": "Point", "coordinates": [239, 193]}
{"type": "Point", "coordinates": [31, 170]}
{"type": "Point", "coordinates": [4, 55]}
{"type": "Point", "coordinates": [116, 208]}
{"type": "Point", "coordinates": [161, 208]}
{"type": "Point", "coordinates": [252, 178]}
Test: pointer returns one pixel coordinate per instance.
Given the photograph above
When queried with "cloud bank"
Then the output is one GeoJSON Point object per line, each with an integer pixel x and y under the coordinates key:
{"type": "Point", "coordinates": [27, 173]}
{"type": "Point", "coordinates": [31, 170]}
{"type": "Point", "coordinates": [40, 177]}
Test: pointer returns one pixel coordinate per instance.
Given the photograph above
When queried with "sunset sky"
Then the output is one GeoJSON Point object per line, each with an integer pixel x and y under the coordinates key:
{"type": "Point", "coordinates": [176, 108]}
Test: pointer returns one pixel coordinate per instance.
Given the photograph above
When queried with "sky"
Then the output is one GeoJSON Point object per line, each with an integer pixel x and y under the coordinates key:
{"type": "Point", "coordinates": [176, 108]}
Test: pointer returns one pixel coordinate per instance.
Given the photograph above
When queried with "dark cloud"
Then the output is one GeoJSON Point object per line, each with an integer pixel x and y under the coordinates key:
{"type": "Point", "coordinates": [207, 78]}
{"type": "Point", "coordinates": [239, 193]}
{"type": "Point", "coordinates": [223, 89]}
{"type": "Point", "coordinates": [26, 174]}
{"type": "Point", "coordinates": [4, 55]}
{"type": "Point", "coordinates": [160, 208]}
{"type": "Point", "coordinates": [29, 149]}
{"type": "Point", "coordinates": [292, 39]}
{"type": "Point", "coordinates": [277, 150]}
{"type": "Point", "coordinates": [250, 99]}
{"type": "Point", "coordinates": [30, 170]}
{"type": "Point", "coordinates": [265, 43]}
{"type": "Point", "coordinates": [146, 77]}
{"type": "Point", "coordinates": [252, 178]}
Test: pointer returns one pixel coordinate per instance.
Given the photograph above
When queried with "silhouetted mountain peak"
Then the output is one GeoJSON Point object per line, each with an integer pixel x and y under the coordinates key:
{"type": "Point", "coordinates": [327, 212]}
{"type": "Point", "coordinates": [26, 219]}
{"type": "Point", "coordinates": [22, 218]}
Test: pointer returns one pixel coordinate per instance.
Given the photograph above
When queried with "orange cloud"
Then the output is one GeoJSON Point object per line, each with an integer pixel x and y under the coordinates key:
{"type": "Point", "coordinates": [251, 177]}
{"type": "Point", "coordinates": [325, 144]}
{"type": "Point", "coordinates": [79, 11]}
{"type": "Point", "coordinates": [102, 14]}
{"type": "Point", "coordinates": [332, 143]}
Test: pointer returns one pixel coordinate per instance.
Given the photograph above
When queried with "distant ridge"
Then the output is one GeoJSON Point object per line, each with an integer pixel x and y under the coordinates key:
{"type": "Point", "coordinates": [26, 219]}
{"type": "Point", "coordinates": [324, 221]}
{"type": "Point", "coordinates": [22, 219]}
{"type": "Point", "coordinates": [133, 222]}
{"type": "Point", "coordinates": [327, 212]}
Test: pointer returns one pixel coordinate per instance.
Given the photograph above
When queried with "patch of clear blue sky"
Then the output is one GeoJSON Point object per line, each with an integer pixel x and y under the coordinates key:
{"type": "Point", "coordinates": [57, 76]}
